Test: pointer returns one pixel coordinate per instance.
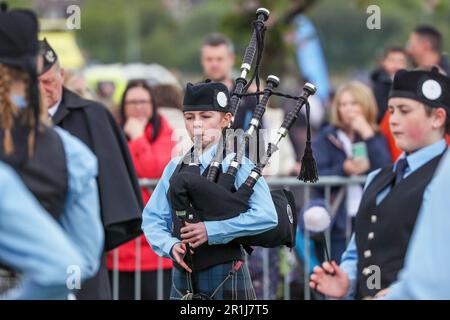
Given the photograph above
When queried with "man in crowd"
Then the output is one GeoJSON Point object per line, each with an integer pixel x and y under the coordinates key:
{"type": "Point", "coordinates": [425, 48]}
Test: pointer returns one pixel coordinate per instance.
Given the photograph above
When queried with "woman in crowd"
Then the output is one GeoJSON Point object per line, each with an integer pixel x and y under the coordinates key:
{"type": "Point", "coordinates": [149, 140]}
{"type": "Point", "coordinates": [350, 146]}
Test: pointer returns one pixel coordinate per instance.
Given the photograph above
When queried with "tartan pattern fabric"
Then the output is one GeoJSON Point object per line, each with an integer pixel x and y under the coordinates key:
{"type": "Point", "coordinates": [237, 287]}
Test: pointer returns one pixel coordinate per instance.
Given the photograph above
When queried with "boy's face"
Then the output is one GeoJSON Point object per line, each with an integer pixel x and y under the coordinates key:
{"type": "Point", "coordinates": [394, 61]}
{"type": "Point", "coordinates": [207, 125]}
{"type": "Point", "coordinates": [410, 125]}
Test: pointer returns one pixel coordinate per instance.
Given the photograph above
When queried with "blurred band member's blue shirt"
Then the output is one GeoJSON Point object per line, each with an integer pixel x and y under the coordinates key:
{"type": "Point", "coordinates": [81, 220]}
{"type": "Point", "coordinates": [415, 161]}
{"type": "Point", "coordinates": [33, 243]}
{"type": "Point", "coordinates": [157, 215]}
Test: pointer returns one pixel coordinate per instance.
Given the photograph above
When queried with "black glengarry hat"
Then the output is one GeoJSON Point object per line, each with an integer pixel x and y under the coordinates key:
{"type": "Point", "coordinates": [206, 96]}
{"type": "Point", "coordinates": [49, 55]}
{"type": "Point", "coordinates": [18, 38]}
{"type": "Point", "coordinates": [429, 87]}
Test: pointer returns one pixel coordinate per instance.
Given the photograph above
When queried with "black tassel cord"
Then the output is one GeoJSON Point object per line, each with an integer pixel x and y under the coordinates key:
{"type": "Point", "coordinates": [308, 171]}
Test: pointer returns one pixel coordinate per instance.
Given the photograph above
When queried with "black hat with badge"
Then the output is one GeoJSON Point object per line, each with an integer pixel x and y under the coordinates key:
{"type": "Point", "coordinates": [206, 96]}
{"type": "Point", "coordinates": [429, 87]}
{"type": "Point", "coordinates": [49, 55]}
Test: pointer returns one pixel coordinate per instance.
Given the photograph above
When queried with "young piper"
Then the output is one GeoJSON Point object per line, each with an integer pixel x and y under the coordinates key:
{"type": "Point", "coordinates": [418, 105]}
{"type": "Point", "coordinates": [218, 267]}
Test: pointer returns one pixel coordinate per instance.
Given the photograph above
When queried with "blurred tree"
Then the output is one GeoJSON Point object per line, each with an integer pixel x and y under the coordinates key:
{"type": "Point", "coordinates": [350, 45]}
{"type": "Point", "coordinates": [278, 56]}
{"type": "Point", "coordinates": [179, 46]}
{"type": "Point", "coordinates": [341, 25]}
{"type": "Point", "coordinates": [170, 32]}
{"type": "Point", "coordinates": [113, 30]}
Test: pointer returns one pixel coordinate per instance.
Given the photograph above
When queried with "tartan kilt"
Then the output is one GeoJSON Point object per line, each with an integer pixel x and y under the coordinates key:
{"type": "Point", "coordinates": [237, 287]}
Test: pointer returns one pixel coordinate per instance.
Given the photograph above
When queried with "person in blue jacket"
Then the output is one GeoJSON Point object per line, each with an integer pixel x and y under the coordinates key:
{"type": "Point", "coordinates": [33, 244]}
{"type": "Point", "coordinates": [350, 146]}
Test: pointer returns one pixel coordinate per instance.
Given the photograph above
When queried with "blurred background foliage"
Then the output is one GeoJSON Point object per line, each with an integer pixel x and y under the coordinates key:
{"type": "Point", "coordinates": [169, 32]}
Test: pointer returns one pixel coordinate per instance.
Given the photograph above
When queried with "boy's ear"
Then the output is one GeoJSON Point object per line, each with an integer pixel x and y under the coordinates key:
{"type": "Point", "coordinates": [440, 118]}
{"type": "Point", "coordinates": [227, 116]}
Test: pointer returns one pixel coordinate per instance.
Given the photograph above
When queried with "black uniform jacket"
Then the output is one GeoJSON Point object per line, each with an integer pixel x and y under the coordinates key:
{"type": "Point", "coordinates": [120, 195]}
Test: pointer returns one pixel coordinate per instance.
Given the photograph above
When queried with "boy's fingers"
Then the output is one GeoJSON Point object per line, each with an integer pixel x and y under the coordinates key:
{"type": "Point", "coordinates": [186, 229]}
{"type": "Point", "coordinates": [180, 261]}
{"type": "Point", "coordinates": [314, 278]}
{"type": "Point", "coordinates": [180, 251]}
{"type": "Point", "coordinates": [189, 241]}
{"type": "Point", "coordinates": [185, 266]}
{"type": "Point", "coordinates": [195, 244]}
{"type": "Point", "coordinates": [327, 267]}
{"type": "Point", "coordinates": [198, 241]}
{"type": "Point", "coordinates": [313, 285]}
{"type": "Point", "coordinates": [187, 235]}
{"type": "Point", "coordinates": [338, 271]}
{"type": "Point", "coordinates": [318, 270]}
{"type": "Point", "coordinates": [336, 268]}
{"type": "Point", "coordinates": [177, 258]}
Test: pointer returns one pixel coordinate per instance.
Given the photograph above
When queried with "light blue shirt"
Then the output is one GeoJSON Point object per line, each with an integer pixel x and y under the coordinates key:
{"type": "Point", "coordinates": [157, 215]}
{"type": "Point", "coordinates": [415, 161]}
{"type": "Point", "coordinates": [33, 243]}
{"type": "Point", "coordinates": [425, 274]}
{"type": "Point", "coordinates": [80, 220]}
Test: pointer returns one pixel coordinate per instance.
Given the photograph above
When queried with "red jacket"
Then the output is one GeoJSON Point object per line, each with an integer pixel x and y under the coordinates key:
{"type": "Point", "coordinates": [150, 159]}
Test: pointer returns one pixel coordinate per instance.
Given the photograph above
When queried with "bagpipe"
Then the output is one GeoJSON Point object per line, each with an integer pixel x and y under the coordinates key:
{"type": "Point", "coordinates": [213, 196]}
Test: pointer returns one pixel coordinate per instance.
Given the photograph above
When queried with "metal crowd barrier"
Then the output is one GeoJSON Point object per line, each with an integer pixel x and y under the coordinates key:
{"type": "Point", "coordinates": [291, 183]}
